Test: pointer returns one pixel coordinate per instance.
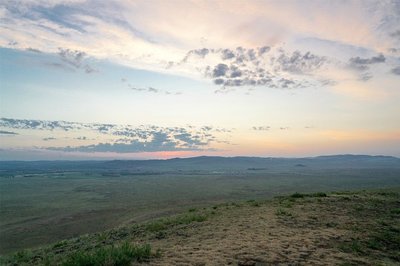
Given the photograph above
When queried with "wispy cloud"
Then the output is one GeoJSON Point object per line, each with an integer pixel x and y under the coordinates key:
{"type": "Point", "coordinates": [261, 128]}
{"type": "Point", "coordinates": [4, 132]}
{"type": "Point", "coordinates": [75, 59]}
{"type": "Point", "coordinates": [29, 49]}
{"type": "Point", "coordinates": [363, 63]}
{"type": "Point", "coordinates": [395, 34]}
{"type": "Point", "coordinates": [49, 138]}
{"type": "Point", "coordinates": [396, 70]}
{"type": "Point", "coordinates": [149, 89]}
{"type": "Point", "coordinates": [153, 90]}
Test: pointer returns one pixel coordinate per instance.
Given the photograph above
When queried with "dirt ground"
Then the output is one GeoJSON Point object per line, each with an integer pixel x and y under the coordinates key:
{"type": "Point", "coordinates": [304, 232]}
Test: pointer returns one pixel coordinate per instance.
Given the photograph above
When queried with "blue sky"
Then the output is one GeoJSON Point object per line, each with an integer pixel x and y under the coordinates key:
{"type": "Point", "coordinates": [159, 79]}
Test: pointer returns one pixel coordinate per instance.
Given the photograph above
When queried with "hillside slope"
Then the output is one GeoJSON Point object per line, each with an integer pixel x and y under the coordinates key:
{"type": "Point", "coordinates": [348, 228]}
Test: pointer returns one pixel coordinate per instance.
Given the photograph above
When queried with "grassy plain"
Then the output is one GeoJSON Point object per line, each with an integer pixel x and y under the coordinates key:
{"type": "Point", "coordinates": [49, 203]}
{"type": "Point", "coordinates": [338, 228]}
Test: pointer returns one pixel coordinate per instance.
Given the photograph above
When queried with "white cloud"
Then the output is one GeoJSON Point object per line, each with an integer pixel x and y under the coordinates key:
{"type": "Point", "coordinates": [149, 35]}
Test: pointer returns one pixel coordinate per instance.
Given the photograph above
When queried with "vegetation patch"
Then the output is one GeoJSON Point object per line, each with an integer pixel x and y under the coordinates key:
{"type": "Point", "coordinates": [298, 195]}
{"type": "Point", "coordinates": [313, 195]}
{"type": "Point", "coordinates": [395, 211]}
{"type": "Point", "coordinates": [377, 235]}
{"type": "Point", "coordinates": [253, 203]}
{"type": "Point", "coordinates": [283, 212]}
{"type": "Point", "coordinates": [354, 246]}
{"type": "Point", "coordinates": [122, 255]}
{"type": "Point", "coordinates": [286, 203]}
{"type": "Point", "coordinates": [165, 223]}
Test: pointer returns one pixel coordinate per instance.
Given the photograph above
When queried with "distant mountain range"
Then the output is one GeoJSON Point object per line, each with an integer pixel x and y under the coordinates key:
{"type": "Point", "coordinates": [209, 164]}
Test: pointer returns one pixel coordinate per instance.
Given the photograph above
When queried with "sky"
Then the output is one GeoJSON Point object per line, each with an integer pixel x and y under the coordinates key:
{"type": "Point", "coordinates": [161, 79]}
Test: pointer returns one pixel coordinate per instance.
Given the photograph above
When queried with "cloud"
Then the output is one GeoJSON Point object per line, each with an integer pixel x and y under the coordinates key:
{"type": "Point", "coordinates": [299, 63]}
{"type": "Point", "coordinates": [365, 76]}
{"type": "Point", "coordinates": [3, 132]}
{"type": "Point", "coordinates": [108, 29]}
{"type": "Point", "coordinates": [155, 145]}
{"type": "Point", "coordinates": [138, 89]}
{"type": "Point", "coordinates": [263, 43]}
{"type": "Point", "coordinates": [357, 61]}
{"type": "Point", "coordinates": [261, 128]}
{"type": "Point", "coordinates": [153, 90]}
{"type": "Point", "coordinates": [259, 66]}
{"type": "Point", "coordinates": [396, 70]}
{"type": "Point", "coordinates": [88, 69]}
{"type": "Point", "coordinates": [395, 34]}
{"type": "Point", "coordinates": [394, 50]}
{"type": "Point", "coordinates": [74, 59]}
{"type": "Point", "coordinates": [191, 141]}
{"type": "Point", "coordinates": [328, 82]}
{"type": "Point", "coordinates": [12, 43]}
{"type": "Point", "coordinates": [29, 49]}
{"type": "Point", "coordinates": [49, 138]}
{"type": "Point", "coordinates": [219, 70]}
{"type": "Point", "coordinates": [363, 65]}
{"type": "Point", "coordinates": [59, 66]}
{"type": "Point", "coordinates": [155, 141]}
{"type": "Point", "coordinates": [149, 89]}
{"type": "Point", "coordinates": [37, 124]}
{"type": "Point", "coordinates": [198, 52]}
{"type": "Point", "coordinates": [227, 54]}
{"type": "Point", "coordinates": [125, 138]}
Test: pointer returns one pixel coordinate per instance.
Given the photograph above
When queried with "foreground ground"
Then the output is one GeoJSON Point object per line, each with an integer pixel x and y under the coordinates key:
{"type": "Point", "coordinates": [46, 207]}
{"type": "Point", "coordinates": [346, 228]}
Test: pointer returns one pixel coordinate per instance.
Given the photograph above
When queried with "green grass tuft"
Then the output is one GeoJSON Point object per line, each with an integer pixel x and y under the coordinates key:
{"type": "Point", "coordinates": [395, 211]}
{"type": "Point", "coordinates": [163, 224]}
{"type": "Point", "coordinates": [297, 195]}
{"type": "Point", "coordinates": [319, 194]}
{"type": "Point", "coordinates": [254, 203]}
{"type": "Point", "coordinates": [282, 212]}
{"type": "Point", "coordinates": [351, 247]}
{"type": "Point", "coordinates": [115, 255]}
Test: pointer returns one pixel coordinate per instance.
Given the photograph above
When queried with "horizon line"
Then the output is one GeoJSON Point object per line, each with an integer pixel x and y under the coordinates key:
{"type": "Point", "coordinates": [204, 156]}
